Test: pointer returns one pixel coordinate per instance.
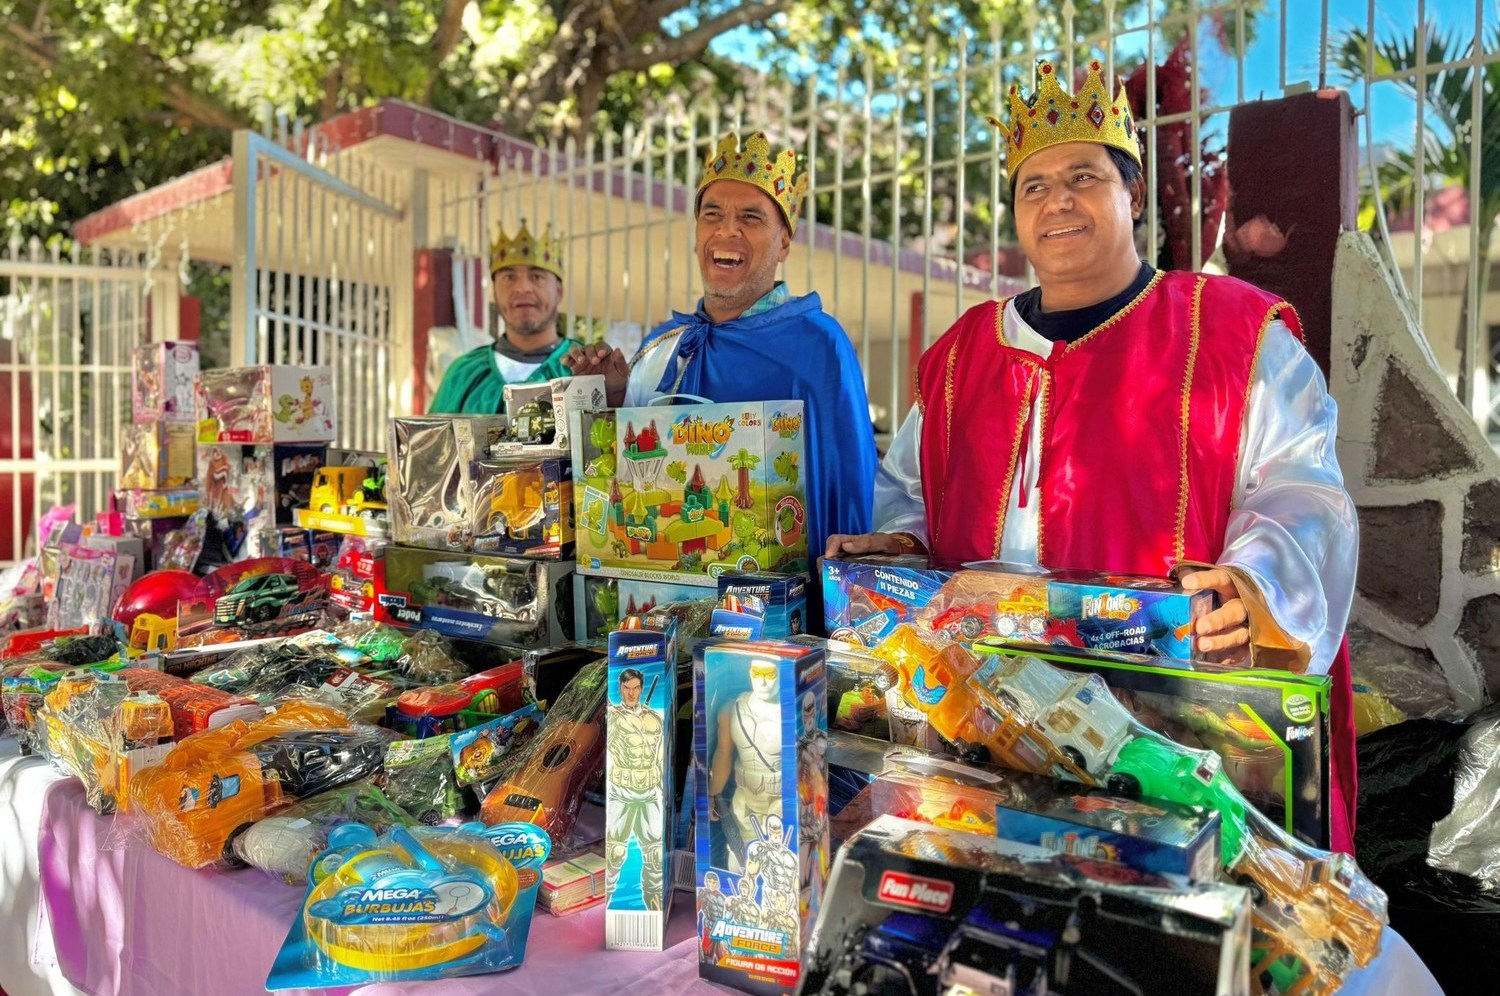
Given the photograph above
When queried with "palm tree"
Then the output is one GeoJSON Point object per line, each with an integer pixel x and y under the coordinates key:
{"type": "Point", "coordinates": [744, 461]}
{"type": "Point", "coordinates": [1449, 142]}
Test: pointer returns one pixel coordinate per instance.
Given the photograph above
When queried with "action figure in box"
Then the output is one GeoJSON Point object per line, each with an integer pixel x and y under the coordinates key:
{"type": "Point", "coordinates": [637, 744]}
{"type": "Point", "coordinates": [749, 748]}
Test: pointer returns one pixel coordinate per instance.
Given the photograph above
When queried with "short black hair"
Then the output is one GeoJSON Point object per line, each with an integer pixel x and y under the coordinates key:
{"type": "Point", "coordinates": [1125, 164]}
{"type": "Point", "coordinates": [631, 674]}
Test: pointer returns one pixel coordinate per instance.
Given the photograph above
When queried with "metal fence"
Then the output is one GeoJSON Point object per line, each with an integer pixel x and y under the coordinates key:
{"type": "Point", "coordinates": [67, 328]}
{"type": "Point", "coordinates": [907, 224]}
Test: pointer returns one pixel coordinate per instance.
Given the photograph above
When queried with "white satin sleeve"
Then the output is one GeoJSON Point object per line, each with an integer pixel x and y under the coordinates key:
{"type": "Point", "coordinates": [899, 505]}
{"type": "Point", "coordinates": [645, 373]}
{"type": "Point", "coordinates": [1293, 527]}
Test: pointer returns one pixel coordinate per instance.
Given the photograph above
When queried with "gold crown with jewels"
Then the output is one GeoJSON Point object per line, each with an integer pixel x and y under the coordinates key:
{"type": "Point", "coordinates": [1051, 116]}
{"type": "Point", "coordinates": [544, 253]}
{"type": "Point", "coordinates": [756, 165]}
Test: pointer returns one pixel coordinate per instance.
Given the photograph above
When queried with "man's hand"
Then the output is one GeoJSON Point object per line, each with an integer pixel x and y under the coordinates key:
{"type": "Point", "coordinates": [1224, 634]}
{"type": "Point", "coordinates": [599, 358]}
{"type": "Point", "coordinates": [839, 543]}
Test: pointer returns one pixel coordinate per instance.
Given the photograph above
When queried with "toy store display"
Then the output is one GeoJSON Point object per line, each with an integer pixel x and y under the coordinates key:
{"type": "Point", "coordinates": [759, 605]}
{"type": "Point", "coordinates": [414, 903]}
{"type": "Point", "coordinates": [430, 489]}
{"type": "Point", "coordinates": [917, 909]}
{"type": "Point", "coordinates": [524, 508]}
{"type": "Point", "coordinates": [1271, 728]}
{"type": "Point", "coordinates": [505, 600]}
{"type": "Point", "coordinates": [761, 768]}
{"type": "Point", "coordinates": [156, 456]}
{"type": "Point", "coordinates": [213, 785]}
{"type": "Point", "coordinates": [162, 382]}
{"type": "Point", "coordinates": [540, 415]}
{"type": "Point", "coordinates": [638, 796]}
{"type": "Point", "coordinates": [266, 404]}
{"type": "Point", "coordinates": [1316, 915]}
{"type": "Point", "coordinates": [285, 845]}
{"type": "Point", "coordinates": [866, 598]}
{"type": "Point", "coordinates": [693, 491]}
{"type": "Point", "coordinates": [302, 664]}
{"type": "Point", "coordinates": [543, 782]}
{"type": "Point", "coordinates": [91, 725]}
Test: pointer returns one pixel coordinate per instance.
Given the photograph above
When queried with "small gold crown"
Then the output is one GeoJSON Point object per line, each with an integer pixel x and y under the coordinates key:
{"type": "Point", "coordinates": [525, 250]}
{"type": "Point", "coordinates": [755, 165]}
{"type": "Point", "coordinates": [1051, 116]}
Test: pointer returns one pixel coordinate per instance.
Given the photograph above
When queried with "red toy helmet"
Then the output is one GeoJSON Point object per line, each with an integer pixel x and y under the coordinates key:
{"type": "Point", "coordinates": [157, 593]}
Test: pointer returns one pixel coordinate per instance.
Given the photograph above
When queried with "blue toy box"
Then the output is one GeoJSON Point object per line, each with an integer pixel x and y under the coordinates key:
{"type": "Point", "coordinates": [772, 606]}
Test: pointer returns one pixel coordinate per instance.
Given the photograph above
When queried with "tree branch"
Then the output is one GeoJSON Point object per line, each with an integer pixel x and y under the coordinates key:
{"type": "Point", "coordinates": [694, 43]}
{"type": "Point", "coordinates": [450, 29]}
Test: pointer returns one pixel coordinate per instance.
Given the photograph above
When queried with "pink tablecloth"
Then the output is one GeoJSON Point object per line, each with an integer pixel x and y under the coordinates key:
{"type": "Point", "coordinates": [129, 922]}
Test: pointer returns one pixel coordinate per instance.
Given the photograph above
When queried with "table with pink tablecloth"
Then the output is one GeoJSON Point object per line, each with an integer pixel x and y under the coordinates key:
{"type": "Point", "coordinates": [126, 921]}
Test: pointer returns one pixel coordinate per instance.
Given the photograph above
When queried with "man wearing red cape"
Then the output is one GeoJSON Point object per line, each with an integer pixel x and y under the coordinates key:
{"type": "Point", "coordinates": [1123, 419]}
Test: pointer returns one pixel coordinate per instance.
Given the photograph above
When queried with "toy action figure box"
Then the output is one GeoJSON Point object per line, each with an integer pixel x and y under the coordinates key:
{"type": "Point", "coordinates": [770, 606]}
{"type": "Point", "coordinates": [162, 379]}
{"type": "Point", "coordinates": [504, 600]}
{"type": "Point", "coordinates": [266, 404]}
{"type": "Point", "coordinates": [600, 604]}
{"type": "Point", "coordinates": [865, 598]}
{"type": "Point", "coordinates": [968, 913]}
{"type": "Point", "coordinates": [686, 493]}
{"type": "Point", "coordinates": [250, 491]}
{"type": "Point", "coordinates": [1269, 727]}
{"type": "Point", "coordinates": [430, 488]}
{"type": "Point", "coordinates": [638, 791]}
{"type": "Point", "coordinates": [540, 416]}
{"type": "Point", "coordinates": [159, 455]}
{"type": "Point", "coordinates": [524, 508]}
{"type": "Point", "coordinates": [760, 753]}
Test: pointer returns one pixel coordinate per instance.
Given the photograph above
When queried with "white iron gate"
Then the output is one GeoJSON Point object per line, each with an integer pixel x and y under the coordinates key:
{"type": "Point", "coordinates": [322, 272]}
{"type": "Point", "coordinates": [67, 329]}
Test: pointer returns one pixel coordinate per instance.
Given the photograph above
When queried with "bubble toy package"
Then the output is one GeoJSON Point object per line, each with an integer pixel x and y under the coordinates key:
{"type": "Point", "coordinates": [414, 904]}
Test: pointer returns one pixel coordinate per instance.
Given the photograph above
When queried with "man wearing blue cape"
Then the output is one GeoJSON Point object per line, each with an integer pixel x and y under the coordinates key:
{"type": "Point", "coordinates": [751, 340]}
{"type": "Point", "coordinates": [526, 275]}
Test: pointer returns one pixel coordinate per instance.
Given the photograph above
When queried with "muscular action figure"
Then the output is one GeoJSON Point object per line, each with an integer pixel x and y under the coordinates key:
{"type": "Point", "coordinates": [637, 744]}
{"type": "Point", "coordinates": [749, 747]}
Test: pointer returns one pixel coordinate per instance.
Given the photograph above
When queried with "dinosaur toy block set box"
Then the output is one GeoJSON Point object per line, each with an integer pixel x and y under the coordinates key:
{"type": "Point", "coordinates": [685, 493]}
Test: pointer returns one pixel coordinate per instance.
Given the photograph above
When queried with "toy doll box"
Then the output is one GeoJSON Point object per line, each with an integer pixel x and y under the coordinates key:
{"type": "Point", "coordinates": [266, 404]}
{"type": "Point", "coordinates": [1270, 727]}
{"type": "Point", "coordinates": [782, 604]}
{"type": "Point", "coordinates": [159, 455]}
{"type": "Point", "coordinates": [524, 508]}
{"type": "Point", "coordinates": [430, 488]}
{"type": "Point", "coordinates": [513, 602]}
{"type": "Point", "coordinates": [639, 727]}
{"type": "Point", "coordinates": [760, 755]}
{"type": "Point", "coordinates": [864, 598]}
{"type": "Point", "coordinates": [686, 493]}
{"type": "Point", "coordinates": [163, 375]}
{"type": "Point", "coordinates": [911, 901]}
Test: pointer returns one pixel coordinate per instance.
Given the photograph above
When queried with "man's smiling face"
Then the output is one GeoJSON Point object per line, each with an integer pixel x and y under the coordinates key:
{"type": "Point", "coordinates": [741, 239]}
{"type": "Point", "coordinates": [1075, 216]}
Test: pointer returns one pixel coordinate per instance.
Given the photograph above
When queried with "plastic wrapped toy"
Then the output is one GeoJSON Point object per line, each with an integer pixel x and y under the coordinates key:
{"type": "Point", "coordinates": [285, 845]}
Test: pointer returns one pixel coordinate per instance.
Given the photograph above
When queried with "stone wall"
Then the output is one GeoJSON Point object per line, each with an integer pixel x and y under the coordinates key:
{"type": "Point", "coordinates": [1426, 622]}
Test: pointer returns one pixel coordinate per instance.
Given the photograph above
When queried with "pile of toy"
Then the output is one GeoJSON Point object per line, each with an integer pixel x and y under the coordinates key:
{"type": "Point", "coordinates": [556, 657]}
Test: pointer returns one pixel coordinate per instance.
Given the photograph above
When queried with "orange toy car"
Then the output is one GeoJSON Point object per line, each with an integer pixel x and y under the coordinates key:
{"type": "Point", "coordinates": [215, 784]}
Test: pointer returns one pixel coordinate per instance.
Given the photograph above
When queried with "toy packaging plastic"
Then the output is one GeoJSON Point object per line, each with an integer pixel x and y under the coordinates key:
{"type": "Point", "coordinates": [915, 908]}
{"type": "Point", "coordinates": [691, 491]}
{"type": "Point", "coordinates": [638, 784]}
{"type": "Point", "coordinates": [505, 600]}
{"type": "Point", "coordinates": [286, 844]}
{"type": "Point", "coordinates": [266, 404]}
{"type": "Point", "coordinates": [524, 508]}
{"type": "Point", "coordinates": [760, 751]}
{"type": "Point", "coordinates": [158, 455]}
{"type": "Point", "coordinates": [430, 489]}
{"type": "Point", "coordinates": [759, 605]}
{"type": "Point", "coordinates": [479, 750]}
{"type": "Point", "coordinates": [92, 726]}
{"type": "Point", "coordinates": [539, 416]}
{"type": "Point", "coordinates": [135, 503]}
{"type": "Point", "coordinates": [162, 381]}
{"type": "Point", "coordinates": [419, 778]}
{"type": "Point", "coordinates": [600, 604]}
{"type": "Point", "coordinates": [866, 598]}
{"type": "Point", "coordinates": [1270, 727]}
{"type": "Point", "coordinates": [857, 686]}
{"type": "Point", "coordinates": [414, 904]}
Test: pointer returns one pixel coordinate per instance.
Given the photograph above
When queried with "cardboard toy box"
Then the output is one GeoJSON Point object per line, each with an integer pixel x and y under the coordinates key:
{"type": "Point", "coordinates": [974, 913]}
{"type": "Point", "coordinates": [430, 486]}
{"type": "Point", "coordinates": [772, 606]}
{"type": "Point", "coordinates": [638, 790]}
{"type": "Point", "coordinates": [685, 493]}
{"type": "Point", "coordinates": [156, 456]}
{"type": "Point", "coordinates": [251, 491]}
{"type": "Point", "coordinates": [524, 508]}
{"type": "Point", "coordinates": [162, 383]}
{"type": "Point", "coordinates": [266, 404]}
{"type": "Point", "coordinates": [1270, 728]}
{"type": "Point", "coordinates": [539, 416]}
{"type": "Point", "coordinates": [599, 603]}
{"type": "Point", "coordinates": [503, 600]}
{"type": "Point", "coordinates": [760, 753]}
{"type": "Point", "coordinates": [864, 598]}
{"type": "Point", "coordinates": [139, 503]}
